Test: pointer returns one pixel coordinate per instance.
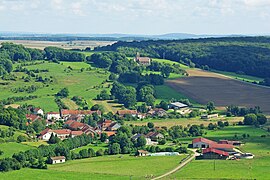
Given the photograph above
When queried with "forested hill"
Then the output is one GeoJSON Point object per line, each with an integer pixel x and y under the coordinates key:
{"type": "Point", "coordinates": [244, 55]}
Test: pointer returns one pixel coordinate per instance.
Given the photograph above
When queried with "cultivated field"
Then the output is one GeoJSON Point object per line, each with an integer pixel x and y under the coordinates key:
{"type": "Point", "coordinates": [183, 121]}
{"type": "Point", "coordinates": [60, 44]}
{"type": "Point", "coordinates": [205, 86]}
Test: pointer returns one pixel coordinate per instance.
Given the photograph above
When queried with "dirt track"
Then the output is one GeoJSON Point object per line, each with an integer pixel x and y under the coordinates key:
{"type": "Point", "coordinates": [205, 86]}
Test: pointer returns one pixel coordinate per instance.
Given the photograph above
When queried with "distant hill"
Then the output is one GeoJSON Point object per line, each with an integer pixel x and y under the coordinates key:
{"type": "Point", "coordinates": [101, 37]}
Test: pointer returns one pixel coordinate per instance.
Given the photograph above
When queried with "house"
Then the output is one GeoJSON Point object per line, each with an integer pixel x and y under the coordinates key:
{"type": "Point", "coordinates": [211, 153]}
{"type": "Point", "coordinates": [113, 126]}
{"type": "Point", "coordinates": [104, 124]}
{"type": "Point", "coordinates": [122, 113]}
{"type": "Point", "coordinates": [202, 143]}
{"type": "Point", "coordinates": [32, 117]}
{"type": "Point", "coordinates": [148, 139]}
{"type": "Point", "coordinates": [74, 125]}
{"type": "Point", "coordinates": [145, 61]}
{"type": "Point", "coordinates": [209, 116]}
{"type": "Point", "coordinates": [142, 153]}
{"type": "Point", "coordinates": [45, 134]}
{"type": "Point", "coordinates": [76, 133]}
{"type": "Point", "coordinates": [154, 136]}
{"type": "Point", "coordinates": [141, 115]}
{"type": "Point", "coordinates": [57, 159]}
{"type": "Point", "coordinates": [38, 111]}
{"type": "Point", "coordinates": [109, 133]}
{"type": "Point", "coordinates": [177, 105]}
{"type": "Point", "coordinates": [157, 112]}
{"type": "Point", "coordinates": [62, 133]}
{"type": "Point", "coordinates": [222, 147]}
{"type": "Point", "coordinates": [53, 115]}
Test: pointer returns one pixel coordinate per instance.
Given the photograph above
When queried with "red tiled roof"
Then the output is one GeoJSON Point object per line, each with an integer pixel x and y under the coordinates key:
{"type": "Point", "coordinates": [221, 146]}
{"type": "Point", "coordinates": [204, 140]}
{"type": "Point", "coordinates": [77, 133]}
{"type": "Point", "coordinates": [68, 122]}
{"type": "Point", "coordinates": [123, 112]}
{"type": "Point", "coordinates": [45, 131]}
{"type": "Point", "coordinates": [223, 153]}
{"type": "Point", "coordinates": [110, 133]}
{"type": "Point", "coordinates": [32, 117]}
{"type": "Point", "coordinates": [76, 125]}
{"type": "Point", "coordinates": [62, 131]}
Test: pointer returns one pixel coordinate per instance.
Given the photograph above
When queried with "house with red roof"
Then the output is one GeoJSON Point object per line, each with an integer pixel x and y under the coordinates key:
{"type": "Point", "coordinates": [75, 133]}
{"type": "Point", "coordinates": [38, 111]}
{"type": "Point", "coordinates": [122, 113]}
{"type": "Point", "coordinates": [32, 117]}
{"type": "Point", "coordinates": [211, 153]}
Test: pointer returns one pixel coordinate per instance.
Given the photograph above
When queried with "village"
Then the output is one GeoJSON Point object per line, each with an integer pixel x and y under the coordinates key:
{"type": "Point", "coordinates": [73, 125]}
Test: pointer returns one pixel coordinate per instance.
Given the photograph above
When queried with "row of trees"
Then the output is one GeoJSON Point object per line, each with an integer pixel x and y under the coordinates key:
{"type": "Point", "coordinates": [35, 158]}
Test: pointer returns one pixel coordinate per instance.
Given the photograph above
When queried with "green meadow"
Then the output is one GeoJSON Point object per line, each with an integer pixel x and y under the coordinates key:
{"type": "Point", "coordinates": [105, 167]}
{"type": "Point", "coordinates": [12, 147]}
{"type": "Point", "coordinates": [84, 83]}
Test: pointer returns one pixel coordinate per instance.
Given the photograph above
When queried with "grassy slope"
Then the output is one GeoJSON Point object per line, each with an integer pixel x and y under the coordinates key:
{"type": "Point", "coordinates": [94, 147]}
{"type": "Point", "coordinates": [12, 147]}
{"type": "Point", "coordinates": [78, 83]}
{"type": "Point", "coordinates": [106, 167]}
{"type": "Point", "coordinates": [243, 169]}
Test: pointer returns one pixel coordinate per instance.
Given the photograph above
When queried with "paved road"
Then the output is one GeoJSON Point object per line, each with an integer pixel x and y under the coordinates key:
{"type": "Point", "coordinates": [181, 165]}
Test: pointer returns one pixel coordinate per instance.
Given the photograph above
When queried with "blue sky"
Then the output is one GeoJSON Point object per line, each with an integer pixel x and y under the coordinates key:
{"type": "Point", "coordinates": [136, 16]}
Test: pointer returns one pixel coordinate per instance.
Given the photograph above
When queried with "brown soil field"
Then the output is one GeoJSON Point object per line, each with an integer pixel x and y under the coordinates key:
{"type": "Point", "coordinates": [62, 44]}
{"type": "Point", "coordinates": [203, 86]}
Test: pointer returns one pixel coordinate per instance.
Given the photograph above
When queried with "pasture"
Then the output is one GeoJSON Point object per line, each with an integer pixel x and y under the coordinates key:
{"type": "Point", "coordinates": [12, 147]}
{"type": "Point", "coordinates": [203, 87]}
{"type": "Point", "coordinates": [256, 168]}
{"type": "Point", "coordinates": [84, 83]}
{"type": "Point", "coordinates": [105, 167]}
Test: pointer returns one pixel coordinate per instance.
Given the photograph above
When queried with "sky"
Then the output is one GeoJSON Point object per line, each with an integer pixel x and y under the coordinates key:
{"type": "Point", "coordinates": [136, 16]}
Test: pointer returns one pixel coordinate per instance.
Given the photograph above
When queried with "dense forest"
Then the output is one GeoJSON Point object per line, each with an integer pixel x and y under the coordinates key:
{"type": "Point", "coordinates": [243, 55]}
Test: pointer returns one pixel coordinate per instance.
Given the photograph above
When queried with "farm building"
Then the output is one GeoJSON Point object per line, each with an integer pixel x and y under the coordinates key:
{"type": "Point", "coordinates": [209, 116]}
{"type": "Point", "coordinates": [206, 143]}
{"type": "Point", "coordinates": [177, 105]}
{"type": "Point", "coordinates": [211, 153]}
{"type": "Point", "coordinates": [142, 153]}
{"type": "Point", "coordinates": [154, 135]}
{"type": "Point", "coordinates": [57, 159]}
{"type": "Point", "coordinates": [234, 143]}
{"type": "Point", "coordinates": [202, 143]}
{"type": "Point", "coordinates": [53, 115]}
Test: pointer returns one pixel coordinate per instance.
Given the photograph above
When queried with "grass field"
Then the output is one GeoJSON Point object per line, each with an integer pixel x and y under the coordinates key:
{"type": "Point", "coordinates": [203, 86]}
{"type": "Point", "coordinates": [11, 148]}
{"type": "Point", "coordinates": [106, 167]}
{"type": "Point", "coordinates": [181, 121]}
{"type": "Point", "coordinates": [240, 76]}
{"type": "Point", "coordinates": [86, 84]}
{"type": "Point", "coordinates": [256, 168]}
{"type": "Point", "coordinates": [16, 133]}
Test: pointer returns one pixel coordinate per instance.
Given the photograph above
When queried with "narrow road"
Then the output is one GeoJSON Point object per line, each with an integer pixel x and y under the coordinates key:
{"type": "Point", "coordinates": [181, 165]}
